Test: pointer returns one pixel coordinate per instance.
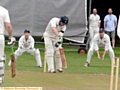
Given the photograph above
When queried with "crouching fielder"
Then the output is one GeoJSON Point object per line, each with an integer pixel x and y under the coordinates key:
{"type": "Point", "coordinates": [26, 44]}
{"type": "Point", "coordinates": [54, 30]}
{"type": "Point", "coordinates": [100, 40]}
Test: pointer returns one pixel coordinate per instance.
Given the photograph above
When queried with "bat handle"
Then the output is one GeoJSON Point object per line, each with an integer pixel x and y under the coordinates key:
{"type": "Point", "coordinates": [12, 49]}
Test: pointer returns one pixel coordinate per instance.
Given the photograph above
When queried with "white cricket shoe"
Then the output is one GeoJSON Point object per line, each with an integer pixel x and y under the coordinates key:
{"type": "Point", "coordinates": [52, 71]}
{"type": "Point", "coordinates": [87, 64]}
{"type": "Point", "coordinates": [114, 65]}
{"type": "Point", "coordinates": [60, 70]}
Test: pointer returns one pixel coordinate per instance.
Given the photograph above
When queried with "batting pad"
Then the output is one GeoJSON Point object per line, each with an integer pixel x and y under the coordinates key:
{"type": "Point", "coordinates": [21, 88]}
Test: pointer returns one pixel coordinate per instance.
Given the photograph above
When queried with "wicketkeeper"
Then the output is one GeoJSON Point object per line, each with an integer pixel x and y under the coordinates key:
{"type": "Point", "coordinates": [100, 40]}
{"type": "Point", "coordinates": [26, 44]}
{"type": "Point", "coordinates": [4, 22]}
{"type": "Point", "coordinates": [52, 36]}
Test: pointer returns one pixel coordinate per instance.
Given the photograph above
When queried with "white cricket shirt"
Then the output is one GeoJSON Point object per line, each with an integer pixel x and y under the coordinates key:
{"type": "Point", "coordinates": [54, 22]}
{"type": "Point", "coordinates": [94, 20]}
{"type": "Point", "coordinates": [23, 41]}
{"type": "Point", "coordinates": [4, 17]}
{"type": "Point", "coordinates": [101, 42]}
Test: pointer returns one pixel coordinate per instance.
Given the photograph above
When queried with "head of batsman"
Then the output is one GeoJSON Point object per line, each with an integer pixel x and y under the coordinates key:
{"type": "Point", "coordinates": [63, 20]}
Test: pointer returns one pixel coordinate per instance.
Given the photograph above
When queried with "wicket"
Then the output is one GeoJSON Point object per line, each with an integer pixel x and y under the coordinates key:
{"type": "Point", "coordinates": [44, 62]}
{"type": "Point", "coordinates": [116, 74]}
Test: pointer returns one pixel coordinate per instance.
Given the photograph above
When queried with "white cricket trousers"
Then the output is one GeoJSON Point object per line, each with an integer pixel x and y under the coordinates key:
{"type": "Point", "coordinates": [93, 31]}
{"type": "Point", "coordinates": [33, 51]}
{"type": "Point", "coordinates": [52, 52]}
{"type": "Point", "coordinates": [2, 58]}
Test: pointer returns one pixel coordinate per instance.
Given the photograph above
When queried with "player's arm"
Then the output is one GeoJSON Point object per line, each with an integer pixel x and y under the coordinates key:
{"type": "Point", "coordinates": [115, 22]}
{"type": "Point", "coordinates": [105, 23]}
{"type": "Point", "coordinates": [9, 29]}
{"type": "Point", "coordinates": [53, 25]}
{"type": "Point", "coordinates": [32, 41]}
{"type": "Point", "coordinates": [21, 43]}
{"type": "Point", "coordinates": [61, 32]}
{"type": "Point", "coordinates": [55, 31]}
{"type": "Point", "coordinates": [99, 22]}
{"type": "Point", "coordinates": [107, 45]}
{"type": "Point", "coordinates": [8, 24]}
{"type": "Point", "coordinates": [104, 53]}
{"type": "Point", "coordinates": [98, 54]}
{"type": "Point", "coordinates": [96, 46]}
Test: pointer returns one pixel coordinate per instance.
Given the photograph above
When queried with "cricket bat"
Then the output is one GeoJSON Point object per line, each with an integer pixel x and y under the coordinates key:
{"type": "Point", "coordinates": [13, 65]}
{"type": "Point", "coordinates": [63, 58]}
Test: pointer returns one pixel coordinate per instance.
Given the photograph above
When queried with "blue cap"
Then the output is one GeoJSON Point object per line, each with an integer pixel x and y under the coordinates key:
{"type": "Point", "coordinates": [101, 30]}
{"type": "Point", "coordinates": [64, 20]}
{"type": "Point", "coordinates": [26, 31]}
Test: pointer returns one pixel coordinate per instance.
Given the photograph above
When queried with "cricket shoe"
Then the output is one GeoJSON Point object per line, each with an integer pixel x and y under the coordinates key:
{"type": "Point", "coordinates": [87, 64]}
{"type": "Point", "coordinates": [114, 65]}
{"type": "Point", "coordinates": [52, 71]}
{"type": "Point", "coordinates": [40, 66]}
{"type": "Point", "coordinates": [60, 70]}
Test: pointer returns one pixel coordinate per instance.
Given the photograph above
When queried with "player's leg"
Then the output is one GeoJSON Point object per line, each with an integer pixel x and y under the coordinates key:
{"type": "Point", "coordinates": [17, 53]}
{"type": "Point", "coordinates": [91, 35]}
{"type": "Point", "coordinates": [113, 38]}
{"type": "Point", "coordinates": [112, 55]}
{"type": "Point", "coordinates": [37, 55]}
{"type": "Point", "coordinates": [2, 58]}
{"type": "Point", "coordinates": [89, 55]}
{"type": "Point", "coordinates": [96, 30]}
{"type": "Point", "coordinates": [58, 59]}
{"type": "Point", "coordinates": [49, 50]}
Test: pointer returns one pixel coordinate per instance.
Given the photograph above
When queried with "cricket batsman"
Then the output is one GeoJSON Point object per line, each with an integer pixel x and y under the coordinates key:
{"type": "Point", "coordinates": [26, 44]}
{"type": "Point", "coordinates": [100, 40]}
{"type": "Point", "coordinates": [4, 22]}
{"type": "Point", "coordinates": [52, 35]}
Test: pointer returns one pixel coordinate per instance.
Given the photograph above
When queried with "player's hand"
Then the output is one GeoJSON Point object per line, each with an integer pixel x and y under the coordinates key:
{"type": "Point", "coordinates": [11, 41]}
{"type": "Point", "coordinates": [26, 45]}
{"type": "Point", "coordinates": [22, 47]}
{"type": "Point", "coordinates": [60, 34]}
{"type": "Point", "coordinates": [99, 57]}
{"type": "Point", "coordinates": [102, 57]}
{"type": "Point", "coordinates": [57, 44]}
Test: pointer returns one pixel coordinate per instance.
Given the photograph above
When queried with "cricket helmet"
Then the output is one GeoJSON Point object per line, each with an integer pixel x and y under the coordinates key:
{"type": "Point", "coordinates": [64, 20]}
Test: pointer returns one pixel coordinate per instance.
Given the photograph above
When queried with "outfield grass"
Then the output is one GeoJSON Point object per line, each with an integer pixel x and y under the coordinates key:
{"type": "Point", "coordinates": [75, 77]}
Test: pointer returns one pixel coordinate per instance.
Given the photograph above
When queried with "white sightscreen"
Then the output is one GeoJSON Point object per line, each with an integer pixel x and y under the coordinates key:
{"type": "Point", "coordinates": [35, 15]}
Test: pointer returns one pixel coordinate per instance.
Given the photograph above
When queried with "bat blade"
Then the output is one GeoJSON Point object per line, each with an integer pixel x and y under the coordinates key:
{"type": "Point", "coordinates": [13, 65]}
{"type": "Point", "coordinates": [63, 58]}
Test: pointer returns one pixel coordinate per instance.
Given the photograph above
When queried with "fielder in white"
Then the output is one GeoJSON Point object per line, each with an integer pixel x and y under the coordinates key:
{"type": "Point", "coordinates": [53, 33]}
{"type": "Point", "coordinates": [26, 44]}
{"type": "Point", "coordinates": [100, 40]}
{"type": "Point", "coordinates": [4, 22]}
{"type": "Point", "coordinates": [94, 24]}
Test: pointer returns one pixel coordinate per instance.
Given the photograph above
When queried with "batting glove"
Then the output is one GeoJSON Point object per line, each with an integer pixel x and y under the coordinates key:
{"type": "Point", "coordinates": [11, 41]}
{"type": "Point", "coordinates": [60, 40]}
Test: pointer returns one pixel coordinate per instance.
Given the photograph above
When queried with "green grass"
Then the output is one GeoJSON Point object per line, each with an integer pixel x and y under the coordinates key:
{"type": "Point", "coordinates": [75, 77]}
